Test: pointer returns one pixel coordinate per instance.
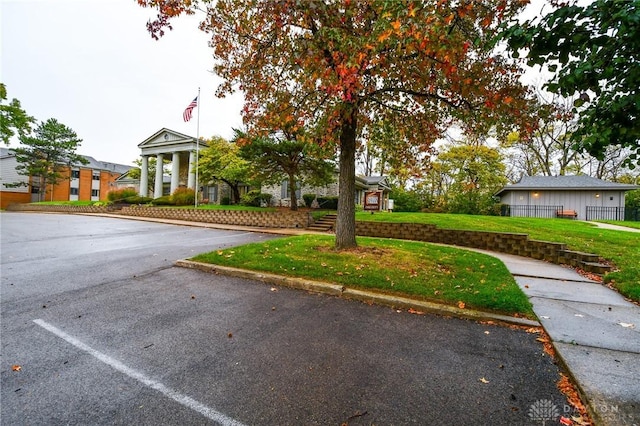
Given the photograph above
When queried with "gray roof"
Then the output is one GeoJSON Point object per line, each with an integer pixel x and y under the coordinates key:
{"type": "Point", "coordinates": [565, 183]}
{"type": "Point", "coordinates": [92, 163]}
{"type": "Point", "coordinates": [105, 165]}
{"type": "Point", "coordinates": [371, 181]}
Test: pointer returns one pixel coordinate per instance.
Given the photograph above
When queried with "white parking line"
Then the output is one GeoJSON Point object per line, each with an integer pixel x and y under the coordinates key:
{"type": "Point", "coordinates": [168, 392]}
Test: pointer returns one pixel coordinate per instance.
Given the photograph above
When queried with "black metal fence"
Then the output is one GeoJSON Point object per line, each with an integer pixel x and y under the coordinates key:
{"type": "Point", "coordinates": [612, 213]}
{"type": "Point", "coordinates": [530, 211]}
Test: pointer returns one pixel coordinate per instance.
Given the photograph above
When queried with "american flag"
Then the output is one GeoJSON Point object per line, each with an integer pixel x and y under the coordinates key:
{"type": "Point", "coordinates": [187, 112]}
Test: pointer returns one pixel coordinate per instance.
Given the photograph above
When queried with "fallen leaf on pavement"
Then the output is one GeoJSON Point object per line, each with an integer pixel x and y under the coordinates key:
{"type": "Point", "coordinates": [627, 325]}
{"type": "Point", "coordinates": [483, 380]}
{"type": "Point", "coordinates": [16, 368]}
{"type": "Point", "coordinates": [413, 311]}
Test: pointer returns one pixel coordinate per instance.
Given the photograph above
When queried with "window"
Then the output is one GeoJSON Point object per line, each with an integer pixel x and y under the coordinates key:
{"type": "Point", "coordinates": [95, 192]}
{"type": "Point", "coordinates": [35, 189]}
{"type": "Point", "coordinates": [285, 190]}
{"type": "Point", "coordinates": [96, 176]}
{"type": "Point", "coordinates": [74, 191]}
{"type": "Point", "coordinates": [75, 174]}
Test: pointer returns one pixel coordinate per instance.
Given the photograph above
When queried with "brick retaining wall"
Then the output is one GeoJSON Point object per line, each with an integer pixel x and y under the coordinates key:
{"type": "Point", "coordinates": [516, 244]}
{"type": "Point", "coordinates": [60, 208]}
{"type": "Point", "coordinates": [260, 219]}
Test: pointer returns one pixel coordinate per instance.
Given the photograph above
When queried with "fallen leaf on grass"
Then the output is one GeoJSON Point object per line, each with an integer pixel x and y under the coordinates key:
{"type": "Point", "coordinates": [461, 305]}
{"type": "Point", "coordinates": [16, 368]}
{"type": "Point", "coordinates": [483, 380]}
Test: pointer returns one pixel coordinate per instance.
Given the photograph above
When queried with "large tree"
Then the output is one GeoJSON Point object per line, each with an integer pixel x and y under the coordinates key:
{"type": "Point", "coordinates": [470, 173]}
{"type": "Point", "coordinates": [335, 65]}
{"type": "Point", "coordinates": [593, 49]}
{"type": "Point", "coordinates": [13, 119]}
{"type": "Point", "coordinates": [221, 162]}
{"type": "Point", "coordinates": [283, 156]}
{"type": "Point", "coordinates": [548, 150]}
{"type": "Point", "coordinates": [47, 152]}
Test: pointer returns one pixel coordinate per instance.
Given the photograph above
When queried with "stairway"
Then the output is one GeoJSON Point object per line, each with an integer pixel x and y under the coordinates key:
{"type": "Point", "coordinates": [324, 224]}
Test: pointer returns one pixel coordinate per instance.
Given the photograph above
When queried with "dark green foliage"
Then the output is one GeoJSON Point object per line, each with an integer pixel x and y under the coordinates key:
{"type": "Point", "coordinates": [405, 201]}
{"type": "Point", "coordinates": [121, 194]}
{"type": "Point", "coordinates": [225, 201]}
{"type": "Point", "coordinates": [597, 47]}
{"type": "Point", "coordinates": [328, 203]}
{"type": "Point", "coordinates": [632, 199]}
{"type": "Point", "coordinates": [308, 199]}
{"type": "Point", "coordinates": [183, 197]}
{"type": "Point", "coordinates": [255, 198]}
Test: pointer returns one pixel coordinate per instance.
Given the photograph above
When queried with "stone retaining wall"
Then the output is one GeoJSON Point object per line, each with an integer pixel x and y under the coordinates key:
{"type": "Point", "coordinates": [260, 219]}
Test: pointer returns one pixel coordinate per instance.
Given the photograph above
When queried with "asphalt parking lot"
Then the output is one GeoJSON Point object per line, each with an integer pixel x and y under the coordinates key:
{"type": "Point", "coordinates": [99, 327]}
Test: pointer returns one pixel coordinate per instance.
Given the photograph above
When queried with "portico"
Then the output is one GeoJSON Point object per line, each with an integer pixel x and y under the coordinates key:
{"type": "Point", "coordinates": [180, 149]}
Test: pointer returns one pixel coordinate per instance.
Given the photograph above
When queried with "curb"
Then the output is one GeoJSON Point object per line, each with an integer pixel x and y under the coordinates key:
{"type": "Point", "coordinates": [370, 297]}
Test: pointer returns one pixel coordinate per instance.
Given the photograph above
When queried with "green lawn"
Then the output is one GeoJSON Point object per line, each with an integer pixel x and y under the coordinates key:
{"type": "Point", "coordinates": [622, 248]}
{"type": "Point", "coordinates": [419, 270]}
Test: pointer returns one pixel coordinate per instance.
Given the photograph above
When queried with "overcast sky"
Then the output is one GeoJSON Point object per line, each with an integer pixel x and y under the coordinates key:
{"type": "Point", "coordinates": [92, 65]}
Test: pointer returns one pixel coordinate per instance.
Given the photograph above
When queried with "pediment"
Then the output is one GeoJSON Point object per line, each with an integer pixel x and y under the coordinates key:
{"type": "Point", "coordinates": [166, 136]}
{"type": "Point", "coordinates": [167, 140]}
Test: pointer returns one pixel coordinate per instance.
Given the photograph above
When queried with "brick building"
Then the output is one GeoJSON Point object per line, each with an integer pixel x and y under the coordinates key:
{"type": "Point", "coordinates": [84, 182]}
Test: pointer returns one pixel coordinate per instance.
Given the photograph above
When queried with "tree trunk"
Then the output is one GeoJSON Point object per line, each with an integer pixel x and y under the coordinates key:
{"type": "Point", "coordinates": [293, 187]}
{"type": "Point", "coordinates": [346, 222]}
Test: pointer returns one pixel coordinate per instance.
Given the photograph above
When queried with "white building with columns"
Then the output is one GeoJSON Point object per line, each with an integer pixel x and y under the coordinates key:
{"type": "Point", "coordinates": [170, 145]}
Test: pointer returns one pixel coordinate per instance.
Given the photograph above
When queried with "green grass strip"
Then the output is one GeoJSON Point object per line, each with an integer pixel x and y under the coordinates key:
{"type": "Point", "coordinates": [420, 270]}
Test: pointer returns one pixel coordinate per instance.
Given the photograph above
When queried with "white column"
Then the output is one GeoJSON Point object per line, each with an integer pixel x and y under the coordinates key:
{"type": "Point", "coordinates": [191, 183]}
{"type": "Point", "coordinates": [157, 193]}
{"type": "Point", "coordinates": [144, 177]}
{"type": "Point", "coordinates": [175, 171]}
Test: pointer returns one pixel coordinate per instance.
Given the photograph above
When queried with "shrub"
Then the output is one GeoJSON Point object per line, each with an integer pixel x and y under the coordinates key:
{"type": "Point", "coordinates": [121, 194]}
{"type": "Point", "coordinates": [405, 201]}
{"type": "Point", "coordinates": [255, 198]}
{"type": "Point", "coordinates": [137, 200]}
{"type": "Point", "coordinates": [163, 201]}
{"type": "Point", "coordinates": [329, 203]}
{"type": "Point", "coordinates": [183, 197]}
{"type": "Point", "coordinates": [225, 201]}
{"type": "Point", "coordinates": [308, 199]}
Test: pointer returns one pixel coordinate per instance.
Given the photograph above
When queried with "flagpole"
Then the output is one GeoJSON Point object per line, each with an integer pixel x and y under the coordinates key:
{"type": "Point", "coordinates": [197, 188]}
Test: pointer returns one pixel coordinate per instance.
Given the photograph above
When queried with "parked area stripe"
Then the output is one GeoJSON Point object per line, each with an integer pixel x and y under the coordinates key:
{"type": "Point", "coordinates": [117, 365]}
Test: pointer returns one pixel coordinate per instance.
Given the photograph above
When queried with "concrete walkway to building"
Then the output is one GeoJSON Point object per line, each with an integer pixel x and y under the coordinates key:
{"type": "Point", "coordinates": [614, 227]}
{"type": "Point", "coordinates": [594, 330]}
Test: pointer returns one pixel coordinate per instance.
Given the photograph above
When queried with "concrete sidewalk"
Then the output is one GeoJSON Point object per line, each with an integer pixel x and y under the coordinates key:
{"type": "Point", "coordinates": [595, 332]}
